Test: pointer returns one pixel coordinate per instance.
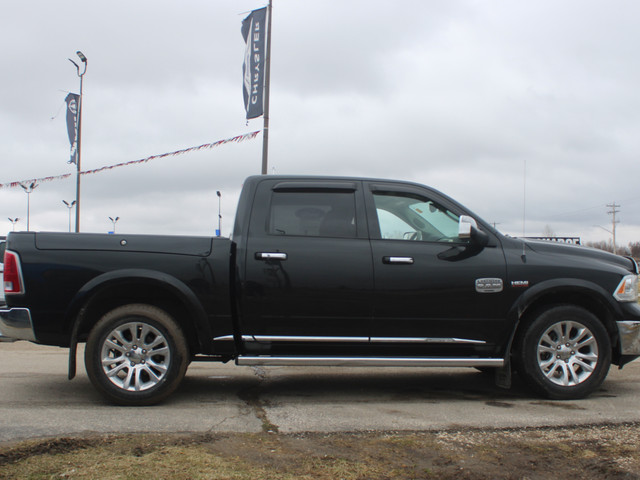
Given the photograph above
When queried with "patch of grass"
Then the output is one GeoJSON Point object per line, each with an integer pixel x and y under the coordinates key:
{"type": "Point", "coordinates": [593, 452]}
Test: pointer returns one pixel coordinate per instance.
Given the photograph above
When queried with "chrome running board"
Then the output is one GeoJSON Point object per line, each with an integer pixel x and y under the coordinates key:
{"type": "Point", "coordinates": [370, 361]}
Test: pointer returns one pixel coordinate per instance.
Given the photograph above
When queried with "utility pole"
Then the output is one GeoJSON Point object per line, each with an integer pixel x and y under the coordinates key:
{"type": "Point", "coordinates": [613, 206]}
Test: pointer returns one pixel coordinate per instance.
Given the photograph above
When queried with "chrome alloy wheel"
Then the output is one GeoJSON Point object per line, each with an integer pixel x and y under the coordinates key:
{"type": "Point", "coordinates": [567, 353]}
{"type": "Point", "coordinates": [135, 356]}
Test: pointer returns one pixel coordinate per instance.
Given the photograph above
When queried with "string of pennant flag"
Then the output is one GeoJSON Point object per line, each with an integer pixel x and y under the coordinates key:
{"type": "Point", "coordinates": [206, 146]}
{"type": "Point", "coordinates": [254, 31]}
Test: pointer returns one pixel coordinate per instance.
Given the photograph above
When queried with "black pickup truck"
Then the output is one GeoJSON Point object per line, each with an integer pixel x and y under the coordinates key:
{"type": "Point", "coordinates": [326, 271]}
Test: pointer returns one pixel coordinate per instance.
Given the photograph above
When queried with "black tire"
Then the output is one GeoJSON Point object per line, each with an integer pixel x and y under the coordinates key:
{"type": "Point", "coordinates": [564, 353]}
{"type": "Point", "coordinates": [149, 352]}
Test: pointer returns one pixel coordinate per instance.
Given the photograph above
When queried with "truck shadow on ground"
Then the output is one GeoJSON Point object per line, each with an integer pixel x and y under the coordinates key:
{"type": "Point", "coordinates": [338, 386]}
{"type": "Point", "coordinates": [343, 385]}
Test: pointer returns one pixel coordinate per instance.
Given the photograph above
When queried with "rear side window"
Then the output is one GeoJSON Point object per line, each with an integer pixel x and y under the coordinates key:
{"type": "Point", "coordinates": [313, 214]}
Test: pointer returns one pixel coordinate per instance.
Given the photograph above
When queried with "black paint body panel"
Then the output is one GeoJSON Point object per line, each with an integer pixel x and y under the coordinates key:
{"type": "Point", "coordinates": [318, 286]}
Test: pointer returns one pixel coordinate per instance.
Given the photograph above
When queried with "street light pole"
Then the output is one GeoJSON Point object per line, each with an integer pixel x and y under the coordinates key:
{"type": "Point", "coordinates": [28, 191]}
{"type": "Point", "coordinates": [81, 75]}
{"type": "Point", "coordinates": [69, 206]}
{"type": "Point", "coordinates": [13, 223]}
{"type": "Point", "coordinates": [114, 220]}
{"type": "Point", "coordinates": [219, 213]}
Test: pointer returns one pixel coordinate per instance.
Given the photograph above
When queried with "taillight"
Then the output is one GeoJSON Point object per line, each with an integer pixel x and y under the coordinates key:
{"type": "Point", "coordinates": [12, 276]}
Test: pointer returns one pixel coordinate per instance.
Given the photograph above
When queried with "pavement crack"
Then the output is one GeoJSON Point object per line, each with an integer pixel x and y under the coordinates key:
{"type": "Point", "coordinates": [251, 396]}
{"type": "Point", "coordinates": [217, 425]}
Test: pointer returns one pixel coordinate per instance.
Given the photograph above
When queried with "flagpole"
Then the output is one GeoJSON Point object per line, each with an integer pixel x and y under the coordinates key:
{"type": "Point", "coordinates": [83, 58]}
{"type": "Point", "coordinates": [267, 75]}
{"type": "Point", "coordinates": [78, 158]}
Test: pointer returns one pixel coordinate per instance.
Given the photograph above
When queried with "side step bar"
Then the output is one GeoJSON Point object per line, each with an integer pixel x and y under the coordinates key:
{"type": "Point", "coordinates": [370, 361]}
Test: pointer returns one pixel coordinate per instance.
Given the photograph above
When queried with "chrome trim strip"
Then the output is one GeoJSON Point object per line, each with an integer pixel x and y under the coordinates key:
{"type": "Point", "coordinates": [223, 338]}
{"type": "Point", "coordinates": [298, 338]}
{"type": "Point", "coordinates": [370, 361]}
{"type": "Point", "coordinates": [329, 339]}
{"type": "Point", "coordinates": [16, 323]}
{"type": "Point", "coordinates": [629, 331]}
{"type": "Point", "coordinates": [425, 340]}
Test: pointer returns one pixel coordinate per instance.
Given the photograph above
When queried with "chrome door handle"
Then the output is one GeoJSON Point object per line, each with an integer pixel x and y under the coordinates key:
{"type": "Point", "coordinates": [398, 260]}
{"type": "Point", "coordinates": [271, 256]}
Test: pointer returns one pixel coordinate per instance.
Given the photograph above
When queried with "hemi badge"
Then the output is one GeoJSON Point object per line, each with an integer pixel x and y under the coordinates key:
{"type": "Point", "coordinates": [520, 283]}
{"type": "Point", "coordinates": [488, 285]}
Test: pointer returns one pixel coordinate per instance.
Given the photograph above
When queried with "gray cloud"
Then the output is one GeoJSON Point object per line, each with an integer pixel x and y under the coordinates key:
{"type": "Point", "coordinates": [456, 94]}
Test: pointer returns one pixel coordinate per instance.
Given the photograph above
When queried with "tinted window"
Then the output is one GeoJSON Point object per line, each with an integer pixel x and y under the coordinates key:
{"type": "Point", "coordinates": [315, 214]}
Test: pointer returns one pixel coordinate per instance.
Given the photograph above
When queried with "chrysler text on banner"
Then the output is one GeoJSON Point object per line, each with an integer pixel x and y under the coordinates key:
{"type": "Point", "coordinates": [254, 32]}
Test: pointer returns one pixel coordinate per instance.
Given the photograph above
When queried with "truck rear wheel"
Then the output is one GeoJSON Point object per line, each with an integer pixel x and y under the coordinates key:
{"type": "Point", "coordinates": [564, 353]}
{"type": "Point", "coordinates": [136, 355]}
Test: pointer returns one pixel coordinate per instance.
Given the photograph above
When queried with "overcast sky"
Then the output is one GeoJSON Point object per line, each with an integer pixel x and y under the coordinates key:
{"type": "Point", "coordinates": [491, 102]}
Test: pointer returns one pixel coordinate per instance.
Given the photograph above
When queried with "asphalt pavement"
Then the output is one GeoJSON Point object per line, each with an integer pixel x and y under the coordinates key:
{"type": "Point", "coordinates": [37, 400]}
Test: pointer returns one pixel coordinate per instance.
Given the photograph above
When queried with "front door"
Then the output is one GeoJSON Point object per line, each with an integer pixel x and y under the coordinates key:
{"type": "Point", "coordinates": [435, 294]}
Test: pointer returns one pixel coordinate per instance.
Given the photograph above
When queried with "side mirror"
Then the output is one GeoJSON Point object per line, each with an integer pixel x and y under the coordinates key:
{"type": "Point", "coordinates": [464, 226]}
{"type": "Point", "coordinates": [468, 228]}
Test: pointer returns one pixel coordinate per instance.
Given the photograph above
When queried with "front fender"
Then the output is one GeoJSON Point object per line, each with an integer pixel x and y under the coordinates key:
{"type": "Point", "coordinates": [560, 286]}
{"type": "Point", "coordinates": [559, 290]}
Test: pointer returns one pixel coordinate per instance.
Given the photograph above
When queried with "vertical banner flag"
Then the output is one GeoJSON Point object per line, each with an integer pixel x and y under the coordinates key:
{"type": "Point", "coordinates": [254, 32]}
{"type": "Point", "coordinates": [72, 125]}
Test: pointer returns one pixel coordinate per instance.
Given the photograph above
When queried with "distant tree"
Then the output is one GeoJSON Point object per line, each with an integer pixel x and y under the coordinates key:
{"type": "Point", "coordinates": [548, 232]}
{"type": "Point", "coordinates": [607, 246]}
{"type": "Point", "coordinates": [634, 249]}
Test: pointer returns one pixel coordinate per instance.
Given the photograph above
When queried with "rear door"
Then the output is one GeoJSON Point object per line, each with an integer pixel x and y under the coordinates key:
{"type": "Point", "coordinates": [308, 280]}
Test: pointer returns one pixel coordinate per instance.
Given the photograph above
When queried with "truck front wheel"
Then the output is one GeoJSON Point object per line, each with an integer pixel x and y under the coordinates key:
{"type": "Point", "coordinates": [564, 353]}
{"type": "Point", "coordinates": [136, 355]}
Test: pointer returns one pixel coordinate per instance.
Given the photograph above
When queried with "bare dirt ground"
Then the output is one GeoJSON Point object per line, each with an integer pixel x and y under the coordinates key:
{"type": "Point", "coordinates": [585, 452]}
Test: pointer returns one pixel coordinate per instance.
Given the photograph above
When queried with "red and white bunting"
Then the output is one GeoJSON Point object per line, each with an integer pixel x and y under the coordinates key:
{"type": "Point", "coordinates": [237, 139]}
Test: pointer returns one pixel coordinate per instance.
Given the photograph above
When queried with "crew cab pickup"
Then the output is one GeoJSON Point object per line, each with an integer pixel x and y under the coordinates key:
{"type": "Point", "coordinates": [326, 271]}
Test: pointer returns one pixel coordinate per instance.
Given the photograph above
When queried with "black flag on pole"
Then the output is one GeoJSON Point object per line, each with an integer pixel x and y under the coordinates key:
{"type": "Point", "coordinates": [72, 125]}
{"type": "Point", "coordinates": [254, 32]}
